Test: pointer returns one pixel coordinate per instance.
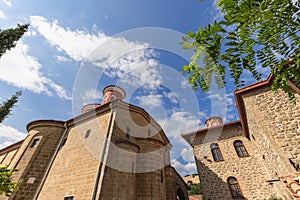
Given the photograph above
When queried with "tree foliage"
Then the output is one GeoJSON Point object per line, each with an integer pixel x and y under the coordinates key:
{"type": "Point", "coordinates": [7, 185]}
{"type": "Point", "coordinates": [251, 33]}
{"type": "Point", "coordinates": [8, 37]}
{"type": "Point", "coordinates": [6, 106]}
{"type": "Point", "coordinates": [194, 188]}
{"type": "Point", "coordinates": [274, 198]}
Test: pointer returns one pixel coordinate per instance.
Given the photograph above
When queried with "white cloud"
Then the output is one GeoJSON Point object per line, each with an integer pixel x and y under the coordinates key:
{"type": "Point", "coordinates": [222, 105]}
{"type": "Point", "coordinates": [178, 123]}
{"type": "Point", "coordinates": [184, 169]}
{"type": "Point", "coordinates": [172, 96]}
{"type": "Point", "coordinates": [30, 33]}
{"type": "Point", "coordinates": [61, 58]}
{"type": "Point", "coordinates": [227, 99]}
{"type": "Point", "coordinates": [150, 100]}
{"type": "Point", "coordinates": [135, 68]}
{"type": "Point", "coordinates": [91, 96]}
{"type": "Point", "coordinates": [2, 15]}
{"type": "Point", "coordinates": [130, 61]}
{"type": "Point", "coordinates": [7, 2]}
{"type": "Point", "coordinates": [22, 70]}
{"type": "Point", "coordinates": [10, 135]}
{"type": "Point", "coordinates": [77, 44]}
{"type": "Point", "coordinates": [187, 154]}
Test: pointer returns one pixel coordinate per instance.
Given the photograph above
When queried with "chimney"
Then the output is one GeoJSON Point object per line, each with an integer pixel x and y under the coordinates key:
{"type": "Point", "coordinates": [111, 93]}
{"type": "Point", "coordinates": [213, 121]}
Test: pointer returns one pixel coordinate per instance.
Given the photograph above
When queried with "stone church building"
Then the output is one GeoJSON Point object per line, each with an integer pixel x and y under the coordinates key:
{"type": "Point", "coordinates": [253, 158]}
{"type": "Point", "coordinates": [113, 150]}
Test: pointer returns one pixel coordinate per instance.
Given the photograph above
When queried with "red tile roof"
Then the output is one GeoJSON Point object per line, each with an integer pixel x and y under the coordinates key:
{"type": "Point", "coordinates": [292, 184]}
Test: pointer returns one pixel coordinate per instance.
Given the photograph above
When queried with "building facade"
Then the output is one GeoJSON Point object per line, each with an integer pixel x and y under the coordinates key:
{"type": "Point", "coordinates": [113, 150]}
{"type": "Point", "coordinates": [256, 157]}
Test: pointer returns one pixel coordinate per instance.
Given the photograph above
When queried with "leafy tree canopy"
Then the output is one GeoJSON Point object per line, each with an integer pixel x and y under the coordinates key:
{"type": "Point", "coordinates": [6, 106]}
{"type": "Point", "coordinates": [251, 33]}
{"type": "Point", "coordinates": [8, 37]}
{"type": "Point", "coordinates": [195, 189]}
{"type": "Point", "coordinates": [8, 40]}
{"type": "Point", "coordinates": [7, 185]}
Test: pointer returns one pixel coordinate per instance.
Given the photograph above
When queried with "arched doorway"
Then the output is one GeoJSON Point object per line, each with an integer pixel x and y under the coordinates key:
{"type": "Point", "coordinates": [180, 194]}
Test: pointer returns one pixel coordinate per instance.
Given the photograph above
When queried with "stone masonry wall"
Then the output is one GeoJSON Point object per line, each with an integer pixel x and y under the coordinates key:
{"type": "Point", "coordinates": [173, 183]}
{"type": "Point", "coordinates": [36, 157]}
{"type": "Point", "coordinates": [247, 170]}
{"type": "Point", "coordinates": [274, 127]}
{"type": "Point", "coordinates": [133, 156]}
{"type": "Point", "coordinates": [137, 153]}
{"type": "Point", "coordinates": [75, 167]}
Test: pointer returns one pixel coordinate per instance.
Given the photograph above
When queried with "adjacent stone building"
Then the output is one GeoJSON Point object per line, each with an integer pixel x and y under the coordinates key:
{"type": "Point", "coordinates": [113, 150]}
{"type": "Point", "coordinates": [255, 157]}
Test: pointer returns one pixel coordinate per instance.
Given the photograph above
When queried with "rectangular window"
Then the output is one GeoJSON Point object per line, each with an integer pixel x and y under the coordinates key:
{"type": "Point", "coordinates": [127, 132]}
{"type": "Point", "coordinates": [69, 198]}
{"type": "Point", "coordinates": [132, 167]}
{"type": "Point", "coordinates": [87, 133]}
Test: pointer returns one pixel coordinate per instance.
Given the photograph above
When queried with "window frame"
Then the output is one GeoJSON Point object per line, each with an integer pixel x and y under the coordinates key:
{"type": "Point", "coordinates": [35, 141]}
{"type": "Point", "coordinates": [240, 149]}
{"type": "Point", "coordinates": [216, 152]}
{"type": "Point", "coordinates": [235, 194]}
{"type": "Point", "coordinates": [69, 198]}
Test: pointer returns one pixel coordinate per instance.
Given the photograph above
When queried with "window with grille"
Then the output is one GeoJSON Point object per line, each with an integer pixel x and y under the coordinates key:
{"type": "Point", "coordinates": [216, 152]}
{"type": "Point", "coordinates": [240, 149]}
{"type": "Point", "coordinates": [234, 187]}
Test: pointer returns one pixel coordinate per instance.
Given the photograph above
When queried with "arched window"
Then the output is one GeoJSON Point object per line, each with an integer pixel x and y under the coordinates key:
{"type": "Point", "coordinates": [234, 187]}
{"type": "Point", "coordinates": [180, 195]}
{"type": "Point", "coordinates": [240, 148]}
{"type": "Point", "coordinates": [216, 152]}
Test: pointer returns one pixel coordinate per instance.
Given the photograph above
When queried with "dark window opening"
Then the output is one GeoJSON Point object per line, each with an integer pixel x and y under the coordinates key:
{"type": "Point", "coordinates": [132, 167]}
{"type": "Point", "coordinates": [149, 132]}
{"type": "Point", "coordinates": [35, 142]}
{"type": "Point", "coordinates": [179, 194]}
{"type": "Point", "coordinates": [240, 149]}
{"type": "Point", "coordinates": [87, 134]}
{"type": "Point", "coordinates": [127, 132]}
{"type": "Point", "coordinates": [161, 177]}
{"type": "Point", "coordinates": [69, 198]}
{"type": "Point", "coordinates": [234, 187]}
{"type": "Point", "coordinates": [216, 152]}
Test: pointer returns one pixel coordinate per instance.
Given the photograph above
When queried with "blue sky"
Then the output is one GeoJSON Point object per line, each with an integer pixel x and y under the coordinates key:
{"type": "Point", "coordinates": [73, 49]}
